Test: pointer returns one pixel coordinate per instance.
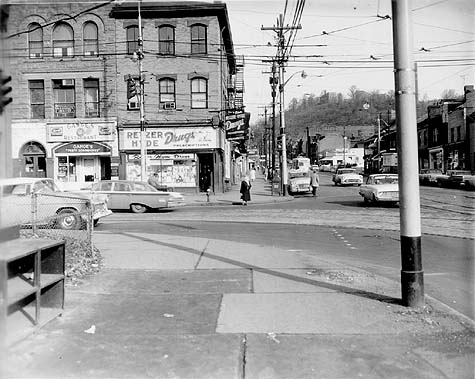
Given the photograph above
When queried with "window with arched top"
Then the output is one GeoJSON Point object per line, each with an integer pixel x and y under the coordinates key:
{"type": "Point", "coordinates": [198, 39]}
{"type": "Point", "coordinates": [63, 40]}
{"type": "Point", "coordinates": [35, 40]}
{"type": "Point", "coordinates": [166, 40]}
{"type": "Point", "coordinates": [167, 93]}
{"type": "Point", "coordinates": [90, 39]}
{"type": "Point", "coordinates": [132, 35]}
{"type": "Point", "coordinates": [199, 93]}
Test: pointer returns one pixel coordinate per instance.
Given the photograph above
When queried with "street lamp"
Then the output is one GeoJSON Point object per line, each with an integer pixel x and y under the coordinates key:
{"type": "Point", "coordinates": [283, 166]}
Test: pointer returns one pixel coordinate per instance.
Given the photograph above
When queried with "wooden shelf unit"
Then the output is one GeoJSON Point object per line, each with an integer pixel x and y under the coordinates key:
{"type": "Point", "coordinates": [31, 285]}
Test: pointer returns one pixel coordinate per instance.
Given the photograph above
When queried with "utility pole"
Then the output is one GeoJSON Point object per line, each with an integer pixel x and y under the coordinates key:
{"type": "Point", "coordinates": [281, 60]}
{"type": "Point", "coordinates": [265, 137]}
{"type": "Point", "coordinates": [412, 275]}
{"type": "Point", "coordinates": [143, 141]}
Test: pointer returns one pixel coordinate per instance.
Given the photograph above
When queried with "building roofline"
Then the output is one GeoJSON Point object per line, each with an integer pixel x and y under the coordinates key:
{"type": "Point", "coordinates": [182, 9]}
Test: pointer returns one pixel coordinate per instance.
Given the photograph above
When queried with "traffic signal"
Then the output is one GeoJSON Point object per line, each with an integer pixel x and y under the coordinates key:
{"type": "Point", "coordinates": [4, 91]}
{"type": "Point", "coordinates": [131, 88]}
{"type": "Point", "coordinates": [279, 142]}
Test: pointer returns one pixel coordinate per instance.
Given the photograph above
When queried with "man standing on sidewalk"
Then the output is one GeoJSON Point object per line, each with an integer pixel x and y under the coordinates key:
{"type": "Point", "coordinates": [314, 181]}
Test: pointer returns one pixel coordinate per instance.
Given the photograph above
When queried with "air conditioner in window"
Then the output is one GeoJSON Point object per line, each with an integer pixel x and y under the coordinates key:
{"type": "Point", "coordinates": [36, 55]}
{"type": "Point", "coordinates": [133, 105]}
{"type": "Point", "coordinates": [90, 53]}
{"type": "Point", "coordinates": [169, 105]}
{"type": "Point", "coordinates": [67, 82]}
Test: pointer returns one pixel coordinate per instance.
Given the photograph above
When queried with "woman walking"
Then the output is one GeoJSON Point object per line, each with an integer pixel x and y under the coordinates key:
{"type": "Point", "coordinates": [245, 190]}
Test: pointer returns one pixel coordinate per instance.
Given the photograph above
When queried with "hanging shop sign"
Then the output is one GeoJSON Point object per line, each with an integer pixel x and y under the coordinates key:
{"type": "Point", "coordinates": [170, 138]}
{"type": "Point", "coordinates": [80, 131]}
{"type": "Point", "coordinates": [83, 148]}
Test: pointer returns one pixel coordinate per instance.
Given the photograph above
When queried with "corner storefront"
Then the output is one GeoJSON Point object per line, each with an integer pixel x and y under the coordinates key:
{"type": "Point", "coordinates": [184, 158]}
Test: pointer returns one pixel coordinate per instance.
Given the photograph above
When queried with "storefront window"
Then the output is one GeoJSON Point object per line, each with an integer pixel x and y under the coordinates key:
{"type": "Point", "coordinates": [66, 169]}
{"type": "Point", "coordinates": [174, 170]}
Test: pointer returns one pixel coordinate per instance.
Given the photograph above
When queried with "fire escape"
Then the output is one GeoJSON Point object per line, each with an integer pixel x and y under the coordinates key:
{"type": "Point", "coordinates": [236, 89]}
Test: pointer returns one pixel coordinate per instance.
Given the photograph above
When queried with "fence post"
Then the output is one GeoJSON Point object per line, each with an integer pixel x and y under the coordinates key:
{"type": "Point", "coordinates": [89, 224]}
{"type": "Point", "coordinates": [34, 213]}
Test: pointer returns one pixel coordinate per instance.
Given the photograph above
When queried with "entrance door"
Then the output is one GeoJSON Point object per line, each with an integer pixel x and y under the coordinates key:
{"type": "Point", "coordinates": [89, 169]}
{"type": "Point", "coordinates": [206, 169]}
{"type": "Point", "coordinates": [34, 160]}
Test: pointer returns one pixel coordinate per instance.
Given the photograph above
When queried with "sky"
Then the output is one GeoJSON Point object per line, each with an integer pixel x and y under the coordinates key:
{"type": "Point", "coordinates": [344, 43]}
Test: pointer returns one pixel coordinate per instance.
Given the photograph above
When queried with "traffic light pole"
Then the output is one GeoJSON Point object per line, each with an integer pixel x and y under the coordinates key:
{"type": "Point", "coordinates": [143, 140]}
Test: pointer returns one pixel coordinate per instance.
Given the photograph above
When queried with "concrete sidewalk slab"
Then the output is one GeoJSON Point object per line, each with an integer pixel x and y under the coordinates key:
{"type": "Point", "coordinates": [318, 313]}
{"type": "Point", "coordinates": [402, 356]}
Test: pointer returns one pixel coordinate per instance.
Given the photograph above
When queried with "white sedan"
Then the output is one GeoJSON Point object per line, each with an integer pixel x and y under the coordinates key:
{"type": "Point", "coordinates": [347, 177]}
{"type": "Point", "coordinates": [380, 188]}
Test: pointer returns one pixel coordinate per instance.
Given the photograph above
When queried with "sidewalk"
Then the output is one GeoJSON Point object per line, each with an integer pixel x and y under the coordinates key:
{"type": "Point", "coordinates": [261, 193]}
{"type": "Point", "coordinates": [167, 306]}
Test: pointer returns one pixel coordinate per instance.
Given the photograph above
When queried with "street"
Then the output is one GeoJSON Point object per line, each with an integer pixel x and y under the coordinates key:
{"type": "Point", "coordinates": [337, 226]}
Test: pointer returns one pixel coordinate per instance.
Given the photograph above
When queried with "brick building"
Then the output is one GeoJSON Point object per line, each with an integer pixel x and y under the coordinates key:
{"type": "Point", "coordinates": [71, 117]}
{"type": "Point", "coordinates": [63, 113]}
{"type": "Point", "coordinates": [188, 59]}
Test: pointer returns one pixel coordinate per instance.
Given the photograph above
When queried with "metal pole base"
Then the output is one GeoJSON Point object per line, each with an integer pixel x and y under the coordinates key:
{"type": "Point", "coordinates": [412, 288]}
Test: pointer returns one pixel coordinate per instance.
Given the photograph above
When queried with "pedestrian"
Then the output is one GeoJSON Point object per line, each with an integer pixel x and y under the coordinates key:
{"type": "Point", "coordinates": [252, 174]}
{"type": "Point", "coordinates": [153, 180]}
{"type": "Point", "coordinates": [314, 181]}
{"type": "Point", "coordinates": [245, 190]}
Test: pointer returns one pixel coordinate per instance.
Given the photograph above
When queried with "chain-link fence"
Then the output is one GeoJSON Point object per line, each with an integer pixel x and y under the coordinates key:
{"type": "Point", "coordinates": [52, 215]}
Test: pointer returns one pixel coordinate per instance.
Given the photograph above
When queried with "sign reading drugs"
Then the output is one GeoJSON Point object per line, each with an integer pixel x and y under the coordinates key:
{"type": "Point", "coordinates": [170, 138]}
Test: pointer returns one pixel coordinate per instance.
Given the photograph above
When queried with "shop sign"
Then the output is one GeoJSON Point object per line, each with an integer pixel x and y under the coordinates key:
{"type": "Point", "coordinates": [91, 148]}
{"type": "Point", "coordinates": [80, 131]}
{"type": "Point", "coordinates": [170, 138]}
{"type": "Point", "coordinates": [156, 157]}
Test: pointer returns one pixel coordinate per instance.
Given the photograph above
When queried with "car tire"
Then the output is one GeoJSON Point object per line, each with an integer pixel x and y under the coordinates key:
{"type": "Point", "coordinates": [138, 208]}
{"type": "Point", "coordinates": [365, 200]}
{"type": "Point", "coordinates": [68, 219]}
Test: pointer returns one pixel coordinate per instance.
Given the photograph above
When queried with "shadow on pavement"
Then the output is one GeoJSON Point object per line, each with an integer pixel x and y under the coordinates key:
{"type": "Point", "coordinates": [335, 287]}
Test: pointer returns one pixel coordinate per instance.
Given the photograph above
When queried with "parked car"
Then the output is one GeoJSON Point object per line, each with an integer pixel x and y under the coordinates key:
{"type": "Point", "coordinates": [428, 176]}
{"type": "Point", "coordinates": [299, 182]}
{"type": "Point", "coordinates": [51, 206]}
{"type": "Point", "coordinates": [380, 188]}
{"type": "Point", "coordinates": [453, 179]}
{"type": "Point", "coordinates": [136, 196]}
{"type": "Point", "coordinates": [347, 177]}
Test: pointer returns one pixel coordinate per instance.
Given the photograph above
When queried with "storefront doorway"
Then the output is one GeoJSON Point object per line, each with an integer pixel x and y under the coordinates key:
{"type": "Point", "coordinates": [79, 163]}
{"type": "Point", "coordinates": [206, 172]}
{"type": "Point", "coordinates": [34, 160]}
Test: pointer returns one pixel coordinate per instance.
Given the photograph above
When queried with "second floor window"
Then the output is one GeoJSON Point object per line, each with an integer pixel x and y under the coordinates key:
{"type": "Point", "coordinates": [166, 40]}
{"type": "Point", "coordinates": [199, 93]}
{"type": "Point", "coordinates": [90, 40]}
{"type": "Point", "coordinates": [167, 93]}
{"type": "Point", "coordinates": [132, 39]}
{"type": "Point", "coordinates": [63, 41]}
{"type": "Point", "coordinates": [37, 98]}
{"type": "Point", "coordinates": [198, 39]}
{"type": "Point", "coordinates": [91, 97]}
{"type": "Point", "coordinates": [64, 98]}
{"type": "Point", "coordinates": [35, 41]}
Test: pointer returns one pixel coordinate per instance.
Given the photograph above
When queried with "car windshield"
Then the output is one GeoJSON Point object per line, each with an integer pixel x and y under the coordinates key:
{"type": "Point", "coordinates": [293, 175]}
{"type": "Point", "coordinates": [45, 186]}
{"type": "Point", "coordinates": [383, 179]}
{"type": "Point", "coordinates": [347, 171]}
